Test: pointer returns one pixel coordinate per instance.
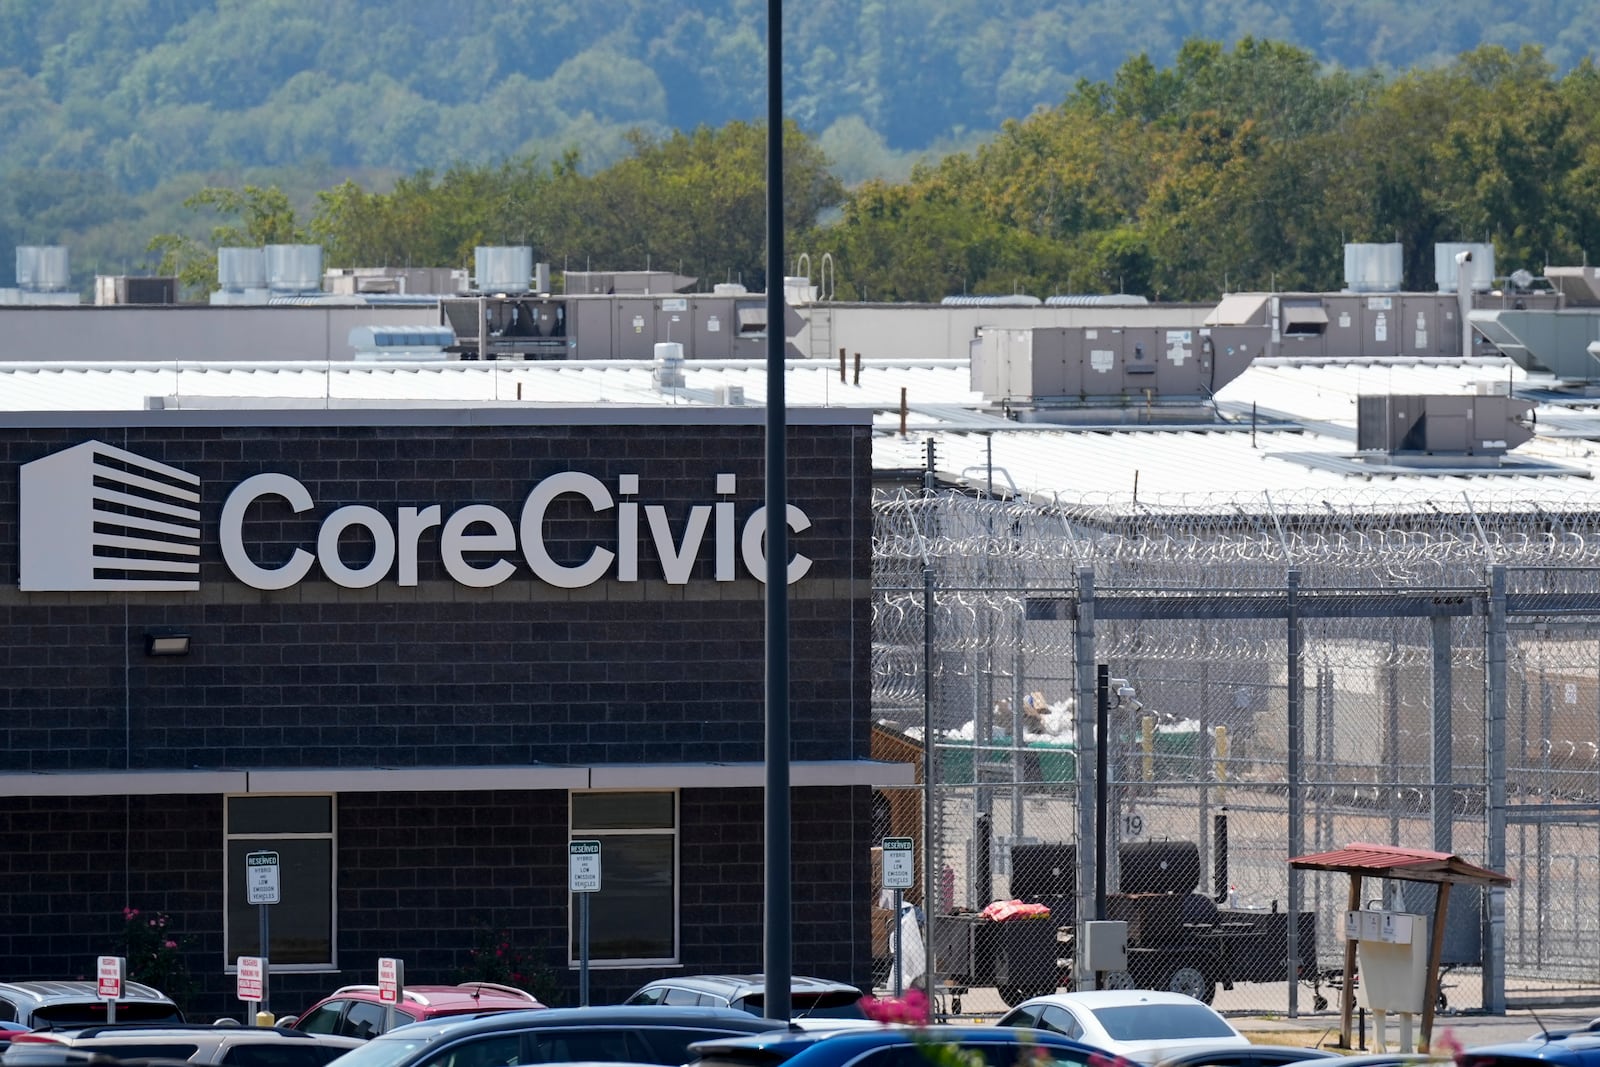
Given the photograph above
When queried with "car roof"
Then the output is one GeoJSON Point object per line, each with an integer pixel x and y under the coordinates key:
{"type": "Point", "coordinates": [786, 1043]}
{"type": "Point", "coordinates": [733, 985]}
{"type": "Point", "coordinates": [600, 1015]}
{"type": "Point", "coordinates": [46, 992]}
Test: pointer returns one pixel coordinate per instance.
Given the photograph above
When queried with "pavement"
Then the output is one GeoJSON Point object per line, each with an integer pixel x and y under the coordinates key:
{"type": "Point", "coordinates": [1469, 1029]}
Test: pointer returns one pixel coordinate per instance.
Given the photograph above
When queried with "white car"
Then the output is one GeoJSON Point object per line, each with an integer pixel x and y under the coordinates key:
{"type": "Point", "coordinates": [1143, 1025]}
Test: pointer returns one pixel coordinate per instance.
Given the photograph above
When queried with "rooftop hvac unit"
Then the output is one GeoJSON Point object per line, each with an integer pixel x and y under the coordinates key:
{"type": "Point", "coordinates": [729, 395]}
{"type": "Point", "coordinates": [1011, 300]}
{"type": "Point", "coordinates": [1479, 270]}
{"type": "Point", "coordinates": [43, 269]}
{"type": "Point", "coordinates": [1373, 268]}
{"type": "Point", "coordinates": [239, 269]}
{"type": "Point", "coordinates": [294, 268]}
{"type": "Point", "coordinates": [1441, 425]}
{"type": "Point", "coordinates": [503, 269]}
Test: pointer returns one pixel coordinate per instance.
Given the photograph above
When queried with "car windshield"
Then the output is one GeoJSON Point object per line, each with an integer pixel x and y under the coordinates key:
{"type": "Point", "coordinates": [385, 1051]}
{"type": "Point", "coordinates": [841, 1005]}
{"type": "Point", "coordinates": [1161, 1022]}
{"type": "Point", "coordinates": [93, 1013]}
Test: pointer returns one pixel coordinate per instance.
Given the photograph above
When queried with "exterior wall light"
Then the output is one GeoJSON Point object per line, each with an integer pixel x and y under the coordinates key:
{"type": "Point", "coordinates": [166, 643]}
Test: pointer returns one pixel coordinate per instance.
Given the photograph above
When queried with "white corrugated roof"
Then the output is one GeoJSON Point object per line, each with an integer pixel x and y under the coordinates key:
{"type": "Point", "coordinates": [1277, 410]}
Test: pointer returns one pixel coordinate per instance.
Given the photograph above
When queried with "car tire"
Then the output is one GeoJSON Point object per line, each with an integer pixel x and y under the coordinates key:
{"type": "Point", "coordinates": [1192, 981]}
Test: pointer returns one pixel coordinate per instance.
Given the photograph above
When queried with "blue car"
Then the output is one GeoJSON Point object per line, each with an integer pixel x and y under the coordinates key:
{"type": "Point", "coordinates": [1562, 1048]}
{"type": "Point", "coordinates": [897, 1046]}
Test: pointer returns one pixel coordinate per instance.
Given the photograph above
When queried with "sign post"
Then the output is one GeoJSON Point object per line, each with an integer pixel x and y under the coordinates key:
{"type": "Point", "coordinates": [261, 887]}
{"type": "Point", "coordinates": [583, 878]}
{"type": "Point", "coordinates": [251, 983]}
{"type": "Point", "coordinates": [899, 874]}
{"type": "Point", "coordinates": [109, 970]}
{"type": "Point", "coordinates": [391, 987]}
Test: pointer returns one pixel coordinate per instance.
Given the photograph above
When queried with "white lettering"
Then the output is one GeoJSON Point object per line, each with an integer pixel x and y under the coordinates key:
{"type": "Point", "coordinates": [414, 522]}
{"type": "Point", "coordinates": [238, 560]}
{"type": "Point", "coordinates": [334, 566]}
{"type": "Point", "coordinates": [476, 540]}
{"type": "Point", "coordinates": [677, 561]}
{"type": "Point", "coordinates": [533, 550]}
{"type": "Point", "coordinates": [754, 544]}
{"type": "Point", "coordinates": [455, 542]}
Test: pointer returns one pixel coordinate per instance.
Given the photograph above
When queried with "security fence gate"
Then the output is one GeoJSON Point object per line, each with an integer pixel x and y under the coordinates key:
{"type": "Point", "coordinates": [1275, 682]}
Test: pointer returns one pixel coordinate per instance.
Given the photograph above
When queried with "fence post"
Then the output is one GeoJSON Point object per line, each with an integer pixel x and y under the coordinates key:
{"type": "Point", "coordinates": [1494, 744]}
{"type": "Point", "coordinates": [1296, 776]}
{"type": "Point", "coordinates": [1443, 807]}
{"type": "Point", "coordinates": [1084, 724]}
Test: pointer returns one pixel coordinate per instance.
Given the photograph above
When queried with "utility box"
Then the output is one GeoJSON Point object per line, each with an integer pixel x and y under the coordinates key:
{"type": "Point", "coordinates": [1105, 946]}
{"type": "Point", "coordinates": [1392, 954]}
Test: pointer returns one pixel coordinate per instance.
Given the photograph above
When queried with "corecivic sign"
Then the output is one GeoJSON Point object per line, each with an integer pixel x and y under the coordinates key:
{"type": "Point", "coordinates": [484, 528]}
{"type": "Point", "coordinates": [97, 517]}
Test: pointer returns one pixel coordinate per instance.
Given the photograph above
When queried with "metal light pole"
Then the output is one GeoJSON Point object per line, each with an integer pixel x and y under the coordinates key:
{"type": "Point", "coordinates": [779, 947]}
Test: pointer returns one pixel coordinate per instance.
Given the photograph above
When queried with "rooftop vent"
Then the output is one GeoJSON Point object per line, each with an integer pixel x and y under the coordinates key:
{"type": "Point", "coordinates": [669, 365]}
{"type": "Point", "coordinates": [1479, 269]}
{"type": "Point", "coordinates": [411, 343]}
{"type": "Point", "coordinates": [294, 268]}
{"type": "Point", "coordinates": [1374, 268]}
{"type": "Point", "coordinates": [503, 269]}
{"type": "Point", "coordinates": [43, 269]}
{"type": "Point", "coordinates": [1012, 300]}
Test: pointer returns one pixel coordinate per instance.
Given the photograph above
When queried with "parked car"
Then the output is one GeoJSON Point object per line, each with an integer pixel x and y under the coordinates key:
{"type": "Point", "coordinates": [652, 1034]}
{"type": "Point", "coordinates": [10, 1030]}
{"type": "Point", "coordinates": [356, 1011]}
{"type": "Point", "coordinates": [1566, 1048]}
{"type": "Point", "coordinates": [236, 1046]}
{"type": "Point", "coordinates": [54, 1005]}
{"type": "Point", "coordinates": [809, 998]}
{"type": "Point", "coordinates": [1250, 1056]}
{"type": "Point", "coordinates": [1143, 1025]}
{"type": "Point", "coordinates": [894, 1046]}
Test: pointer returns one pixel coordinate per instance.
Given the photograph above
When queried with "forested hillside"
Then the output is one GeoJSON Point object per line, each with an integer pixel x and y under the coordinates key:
{"type": "Point", "coordinates": [114, 113]}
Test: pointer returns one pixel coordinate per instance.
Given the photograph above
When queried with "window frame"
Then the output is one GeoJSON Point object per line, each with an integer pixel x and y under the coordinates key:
{"type": "Point", "coordinates": [229, 875]}
{"type": "Point", "coordinates": [674, 832]}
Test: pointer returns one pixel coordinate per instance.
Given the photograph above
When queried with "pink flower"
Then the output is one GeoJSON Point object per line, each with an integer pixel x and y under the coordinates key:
{"type": "Point", "coordinates": [911, 1008]}
{"type": "Point", "coordinates": [171, 944]}
{"type": "Point", "coordinates": [1449, 1045]}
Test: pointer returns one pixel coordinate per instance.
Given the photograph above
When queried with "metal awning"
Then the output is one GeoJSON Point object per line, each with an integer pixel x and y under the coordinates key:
{"type": "Point", "coordinates": [1362, 859]}
{"type": "Point", "coordinates": [1406, 864]}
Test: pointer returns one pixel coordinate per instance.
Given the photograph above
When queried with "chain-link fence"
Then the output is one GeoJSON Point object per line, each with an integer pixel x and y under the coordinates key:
{"type": "Point", "coordinates": [1276, 679]}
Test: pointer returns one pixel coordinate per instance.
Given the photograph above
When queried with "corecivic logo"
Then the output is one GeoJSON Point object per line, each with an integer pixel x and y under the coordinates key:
{"type": "Point", "coordinates": [95, 517]}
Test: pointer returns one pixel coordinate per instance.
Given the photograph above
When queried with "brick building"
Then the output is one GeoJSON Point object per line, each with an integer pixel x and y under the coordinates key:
{"type": "Point", "coordinates": [415, 653]}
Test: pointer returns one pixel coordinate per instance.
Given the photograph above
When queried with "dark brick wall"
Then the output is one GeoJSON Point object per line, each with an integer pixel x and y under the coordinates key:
{"type": "Point", "coordinates": [418, 881]}
{"type": "Point", "coordinates": [437, 675]}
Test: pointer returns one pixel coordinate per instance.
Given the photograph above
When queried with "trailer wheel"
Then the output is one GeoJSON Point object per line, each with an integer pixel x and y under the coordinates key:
{"type": "Point", "coordinates": [1192, 981]}
{"type": "Point", "coordinates": [1117, 980]}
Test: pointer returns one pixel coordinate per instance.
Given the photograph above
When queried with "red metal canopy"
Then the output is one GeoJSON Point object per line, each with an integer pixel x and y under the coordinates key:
{"type": "Point", "coordinates": [1406, 864]}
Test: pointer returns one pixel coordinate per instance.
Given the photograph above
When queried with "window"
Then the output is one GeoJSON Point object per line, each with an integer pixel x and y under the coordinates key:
{"type": "Point", "coordinates": [634, 916]}
{"type": "Point", "coordinates": [300, 927]}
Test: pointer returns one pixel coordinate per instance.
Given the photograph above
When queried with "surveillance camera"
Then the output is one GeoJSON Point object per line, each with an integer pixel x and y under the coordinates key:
{"type": "Point", "coordinates": [1125, 691]}
{"type": "Point", "coordinates": [1119, 684]}
{"type": "Point", "coordinates": [1136, 704]}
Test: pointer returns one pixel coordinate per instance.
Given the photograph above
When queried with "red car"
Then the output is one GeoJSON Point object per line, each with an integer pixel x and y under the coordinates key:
{"type": "Point", "coordinates": [356, 1011]}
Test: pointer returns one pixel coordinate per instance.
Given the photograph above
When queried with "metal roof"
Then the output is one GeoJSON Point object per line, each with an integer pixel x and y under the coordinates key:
{"type": "Point", "coordinates": [1283, 428]}
{"type": "Point", "coordinates": [1405, 864]}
